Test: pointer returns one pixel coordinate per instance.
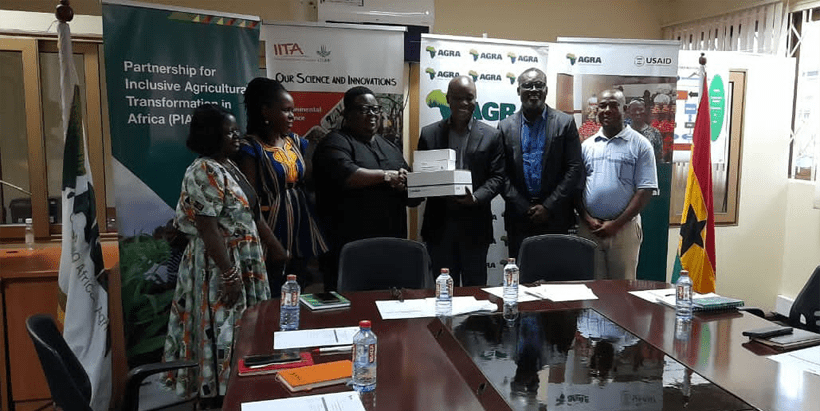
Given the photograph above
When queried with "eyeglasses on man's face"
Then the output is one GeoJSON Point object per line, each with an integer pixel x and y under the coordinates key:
{"type": "Point", "coordinates": [234, 133]}
{"type": "Point", "coordinates": [368, 109]}
{"type": "Point", "coordinates": [533, 85]}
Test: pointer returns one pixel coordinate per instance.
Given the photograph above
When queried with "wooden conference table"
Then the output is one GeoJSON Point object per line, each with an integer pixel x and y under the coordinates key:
{"type": "Point", "coordinates": [424, 364]}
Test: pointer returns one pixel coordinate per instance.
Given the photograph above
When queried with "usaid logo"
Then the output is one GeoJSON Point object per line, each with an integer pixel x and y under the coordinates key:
{"type": "Point", "coordinates": [640, 61]}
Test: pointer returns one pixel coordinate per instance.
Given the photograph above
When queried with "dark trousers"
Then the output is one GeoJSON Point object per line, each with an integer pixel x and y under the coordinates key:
{"type": "Point", "coordinates": [467, 262]}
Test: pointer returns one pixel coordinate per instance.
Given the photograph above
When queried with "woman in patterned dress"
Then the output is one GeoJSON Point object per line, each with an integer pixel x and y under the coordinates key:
{"type": "Point", "coordinates": [222, 271]}
{"type": "Point", "coordinates": [273, 160]}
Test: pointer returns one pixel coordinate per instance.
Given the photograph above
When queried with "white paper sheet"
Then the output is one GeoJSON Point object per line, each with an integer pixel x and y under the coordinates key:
{"type": "Point", "coordinates": [563, 292]}
{"type": "Point", "coordinates": [806, 359]}
{"type": "Point", "coordinates": [319, 337]}
{"type": "Point", "coordinates": [426, 307]}
{"type": "Point", "coordinates": [523, 294]}
{"type": "Point", "coordinates": [665, 296]}
{"type": "Point", "coordinates": [338, 401]}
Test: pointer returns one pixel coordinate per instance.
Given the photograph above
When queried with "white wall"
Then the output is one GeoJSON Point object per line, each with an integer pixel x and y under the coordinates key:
{"type": "Point", "coordinates": [750, 255]}
{"type": "Point", "coordinates": [801, 253]}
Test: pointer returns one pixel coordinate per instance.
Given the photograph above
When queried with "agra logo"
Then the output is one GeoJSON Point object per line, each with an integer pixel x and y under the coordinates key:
{"type": "Point", "coordinates": [571, 58]}
{"type": "Point", "coordinates": [473, 74]}
{"type": "Point", "coordinates": [511, 55]}
{"type": "Point", "coordinates": [432, 51]}
{"type": "Point", "coordinates": [431, 72]}
{"type": "Point", "coordinates": [437, 99]}
{"type": "Point", "coordinates": [511, 76]}
{"type": "Point", "coordinates": [474, 53]}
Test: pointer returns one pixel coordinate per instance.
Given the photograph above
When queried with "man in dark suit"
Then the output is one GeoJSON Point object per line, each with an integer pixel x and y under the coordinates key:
{"type": "Point", "coordinates": [543, 162]}
{"type": "Point", "coordinates": [458, 230]}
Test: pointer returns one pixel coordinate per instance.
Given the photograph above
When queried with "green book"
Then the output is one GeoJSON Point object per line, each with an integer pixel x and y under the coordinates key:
{"type": "Point", "coordinates": [716, 303]}
{"type": "Point", "coordinates": [324, 301]}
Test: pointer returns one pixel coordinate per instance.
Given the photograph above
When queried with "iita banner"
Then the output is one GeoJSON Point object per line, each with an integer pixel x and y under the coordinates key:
{"type": "Point", "coordinates": [160, 64]}
{"type": "Point", "coordinates": [318, 63]}
{"type": "Point", "coordinates": [494, 65]}
{"type": "Point", "coordinates": [646, 71]}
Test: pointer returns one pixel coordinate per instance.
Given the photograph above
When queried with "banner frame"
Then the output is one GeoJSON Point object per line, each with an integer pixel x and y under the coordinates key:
{"type": "Point", "coordinates": [599, 40]}
{"type": "Point", "coordinates": [322, 25]}
{"type": "Point", "coordinates": [486, 40]}
{"type": "Point", "coordinates": [155, 6]}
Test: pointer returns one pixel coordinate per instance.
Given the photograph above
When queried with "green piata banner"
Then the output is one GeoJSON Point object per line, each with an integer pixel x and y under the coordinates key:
{"type": "Point", "coordinates": [161, 64]}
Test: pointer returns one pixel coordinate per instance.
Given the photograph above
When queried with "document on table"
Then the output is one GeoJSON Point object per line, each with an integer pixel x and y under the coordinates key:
{"type": "Point", "coordinates": [563, 292]}
{"type": "Point", "coordinates": [806, 359]}
{"type": "Point", "coordinates": [523, 294]}
{"type": "Point", "coordinates": [314, 338]}
{"type": "Point", "coordinates": [665, 296]}
{"type": "Point", "coordinates": [426, 307]}
{"type": "Point", "coordinates": [338, 401]}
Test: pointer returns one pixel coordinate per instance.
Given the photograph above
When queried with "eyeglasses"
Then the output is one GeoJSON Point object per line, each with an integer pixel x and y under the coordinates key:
{"type": "Point", "coordinates": [234, 134]}
{"type": "Point", "coordinates": [369, 109]}
{"type": "Point", "coordinates": [537, 85]}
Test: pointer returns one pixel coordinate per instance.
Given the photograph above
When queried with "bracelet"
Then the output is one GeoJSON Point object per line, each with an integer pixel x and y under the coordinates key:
{"type": "Point", "coordinates": [231, 276]}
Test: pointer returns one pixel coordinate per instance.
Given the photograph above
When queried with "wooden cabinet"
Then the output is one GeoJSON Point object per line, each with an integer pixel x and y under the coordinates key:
{"type": "Point", "coordinates": [28, 280]}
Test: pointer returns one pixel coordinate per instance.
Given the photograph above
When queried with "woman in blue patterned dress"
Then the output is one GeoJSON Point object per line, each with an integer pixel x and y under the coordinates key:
{"type": "Point", "coordinates": [222, 270]}
{"type": "Point", "coordinates": [273, 160]}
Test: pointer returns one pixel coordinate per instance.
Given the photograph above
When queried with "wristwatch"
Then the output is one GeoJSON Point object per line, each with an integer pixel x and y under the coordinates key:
{"type": "Point", "coordinates": [387, 175]}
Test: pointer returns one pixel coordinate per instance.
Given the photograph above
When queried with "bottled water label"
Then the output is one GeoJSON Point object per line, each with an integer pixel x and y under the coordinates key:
{"type": "Point", "coordinates": [511, 278]}
{"type": "Point", "coordinates": [289, 299]}
{"type": "Point", "coordinates": [365, 354]}
{"type": "Point", "coordinates": [684, 293]}
{"type": "Point", "coordinates": [449, 287]}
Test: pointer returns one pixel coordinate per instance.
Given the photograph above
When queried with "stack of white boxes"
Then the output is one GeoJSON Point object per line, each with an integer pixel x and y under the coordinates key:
{"type": "Point", "coordinates": [435, 175]}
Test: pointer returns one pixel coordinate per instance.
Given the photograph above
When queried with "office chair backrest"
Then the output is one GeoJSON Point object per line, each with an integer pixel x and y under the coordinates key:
{"type": "Point", "coordinates": [556, 257]}
{"type": "Point", "coordinates": [807, 304]}
{"type": "Point", "coordinates": [383, 262]}
{"type": "Point", "coordinates": [67, 380]}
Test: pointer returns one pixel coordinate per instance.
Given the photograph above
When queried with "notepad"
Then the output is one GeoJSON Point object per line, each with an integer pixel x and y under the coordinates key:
{"type": "Point", "coordinates": [315, 376]}
{"type": "Point", "coordinates": [310, 301]}
{"type": "Point", "coordinates": [715, 303]}
{"type": "Point", "coordinates": [797, 339]}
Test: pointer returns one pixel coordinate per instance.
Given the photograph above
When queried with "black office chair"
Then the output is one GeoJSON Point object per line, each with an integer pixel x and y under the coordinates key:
{"type": "Point", "coordinates": [807, 305]}
{"type": "Point", "coordinates": [556, 257]}
{"type": "Point", "coordinates": [67, 380]}
{"type": "Point", "coordinates": [383, 262]}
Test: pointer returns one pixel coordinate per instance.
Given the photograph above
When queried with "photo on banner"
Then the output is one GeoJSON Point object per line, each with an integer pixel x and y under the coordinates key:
{"type": "Point", "coordinates": [317, 63]}
{"type": "Point", "coordinates": [646, 72]}
{"type": "Point", "coordinates": [155, 78]}
{"type": "Point", "coordinates": [494, 65]}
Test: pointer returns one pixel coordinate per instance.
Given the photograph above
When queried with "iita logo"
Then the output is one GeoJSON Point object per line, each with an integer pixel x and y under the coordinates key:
{"type": "Point", "coordinates": [522, 58]}
{"type": "Point", "coordinates": [440, 74]}
{"type": "Point", "coordinates": [324, 54]}
{"type": "Point", "coordinates": [444, 53]}
{"type": "Point", "coordinates": [485, 56]}
{"type": "Point", "coordinates": [483, 76]}
{"type": "Point", "coordinates": [287, 49]}
{"type": "Point", "coordinates": [487, 111]}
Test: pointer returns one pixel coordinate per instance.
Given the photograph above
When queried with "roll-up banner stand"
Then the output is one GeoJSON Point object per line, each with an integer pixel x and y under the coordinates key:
{"type": "Point", "coordinates": [645, 70]}
{"type": "Point", "coordinates": [160, 63]}
{"type": "Point", "coordinates": [317, 63]}
{"type": "Point", "coordinates": [494, 65]}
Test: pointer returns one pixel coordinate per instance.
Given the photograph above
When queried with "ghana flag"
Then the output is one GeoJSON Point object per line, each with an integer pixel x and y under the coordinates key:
{"type": "Point", "coordinates": [696, 250]}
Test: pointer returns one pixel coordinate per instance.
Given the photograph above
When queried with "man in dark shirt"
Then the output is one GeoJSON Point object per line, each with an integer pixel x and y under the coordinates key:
{"type": "Point", "coordinates": [458, 229]}
{"type": "Point", "coordinates": [543, 162]}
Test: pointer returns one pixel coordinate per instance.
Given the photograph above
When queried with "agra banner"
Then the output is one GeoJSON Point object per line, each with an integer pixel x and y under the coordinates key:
{"type": "Point", "coordinates": [646, 71]}
{"type": "Point", "coordinates": [317, 63]}
{"type": "Point", "coordinates": [494, 65]}
{"type": "Point", "coordinates": [161, 63]}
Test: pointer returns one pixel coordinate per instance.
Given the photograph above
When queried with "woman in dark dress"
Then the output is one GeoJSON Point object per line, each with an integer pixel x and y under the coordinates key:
{"type": "Point", "coordinates": [360, 181]}
{"type": "Point", "coordinates": [272, 158]}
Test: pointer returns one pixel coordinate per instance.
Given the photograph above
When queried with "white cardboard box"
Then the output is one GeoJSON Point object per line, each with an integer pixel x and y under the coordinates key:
{"type": "Point", "coordinates": [424, 156]}
{"type": "Point", "coordinates": [435, 165]}
{"type": "Point", "coordinates": [439, 183]}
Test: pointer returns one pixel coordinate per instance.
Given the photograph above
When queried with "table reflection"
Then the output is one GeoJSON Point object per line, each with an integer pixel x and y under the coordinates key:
{"type": "Point", "coordinates": [579, 360]}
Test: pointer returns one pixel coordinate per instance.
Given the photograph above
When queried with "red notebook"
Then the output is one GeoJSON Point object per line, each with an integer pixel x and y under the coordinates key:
{"type": "Point", "coordinates": [243, 370]}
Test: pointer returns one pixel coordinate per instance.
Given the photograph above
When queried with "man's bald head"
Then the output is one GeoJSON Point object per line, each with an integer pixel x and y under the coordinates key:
{"type": "Point", "coordinates": [461, 81]}
{"type": "Point", "coordinates": [461, 96]}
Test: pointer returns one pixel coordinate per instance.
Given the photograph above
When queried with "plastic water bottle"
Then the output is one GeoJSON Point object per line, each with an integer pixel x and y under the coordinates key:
{"type": "Point", "coordinates": [510, 282]}
{"type": "Point", "coordinates": [289, 305]}
{"type": "Point", "coordinates": [29, 234]}
{"type": "Point", "coordinates": [444, 293]}
{"type": "Point", "coordinates": [683, 296]}
{"type": "Point", "coordinates": [364, 358]}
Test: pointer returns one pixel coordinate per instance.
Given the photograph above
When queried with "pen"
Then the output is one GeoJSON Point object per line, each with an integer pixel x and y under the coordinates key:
{"type": "Point", "coordinates": [533, 294]}
{"type": "Point", "coordinates": [333, 350]}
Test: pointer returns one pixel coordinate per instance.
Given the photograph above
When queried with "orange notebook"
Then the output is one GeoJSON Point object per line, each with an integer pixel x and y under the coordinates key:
{"type": "Point", "coordinates": [314, 376]}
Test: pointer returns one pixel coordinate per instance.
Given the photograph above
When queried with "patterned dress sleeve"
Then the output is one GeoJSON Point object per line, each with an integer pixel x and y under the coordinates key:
{"type": "Point", "coordinates": [203, 189]}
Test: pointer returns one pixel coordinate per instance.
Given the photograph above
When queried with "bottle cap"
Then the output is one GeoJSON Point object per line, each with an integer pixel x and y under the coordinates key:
{"type": "Point", "coordinates": [364, 323]}
{"type": "Point", "coordinates": [510, 260]}
{"type": "Point", "coordinates": [445, 271]}
{"type": "Point", "coordinates": [28, 221]}
{"type": "Point", "coordinates": [291, 277]}
{"type": "Point", "coordinates": [684, 272]}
